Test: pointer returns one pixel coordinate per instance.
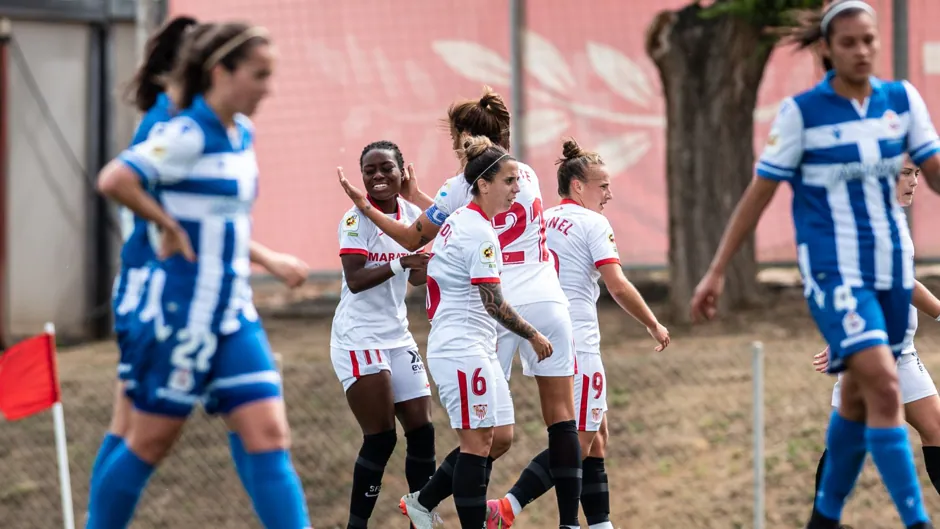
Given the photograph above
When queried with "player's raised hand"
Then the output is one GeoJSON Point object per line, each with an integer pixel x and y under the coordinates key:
{"type": "Point", "coordinates": [821, 360]}
{"type": "Point", "coordinates": [541, 346]}
{"type": "Point", "coordinates": [661, 335]}
{"type": "Point", "coordinates": [174, 241]}
{"type": "Point", "coordinates": [409, 183]}
{"type": "Point", "coordinates": [705, 298]}
{"type": "Point", "coordinates": [354, 194]}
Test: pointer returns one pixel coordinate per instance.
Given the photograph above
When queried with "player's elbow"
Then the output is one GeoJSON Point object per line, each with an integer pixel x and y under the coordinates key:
{"type": "Point", "coordinates": [355, 286]}
{"type": "Point", "coordinates": [112, 180]}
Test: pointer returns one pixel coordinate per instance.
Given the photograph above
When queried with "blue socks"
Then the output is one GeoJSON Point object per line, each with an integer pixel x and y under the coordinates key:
{"type": "Point", "coordinates": [108, 444]}
{"type": "Point", "coordinates": [275, 491]}
{"type": "Point", "coordinates": [240, 458]}
{"type": "Point", "coordinates": [845, 442]}
{"type": "Point", "coordinates": [115, 494]}
{"type": "Point", "coordinates": [894, 458]}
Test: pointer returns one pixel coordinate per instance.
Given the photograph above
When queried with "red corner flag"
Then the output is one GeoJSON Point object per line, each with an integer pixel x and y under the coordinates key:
{"type": "Point", "coordinates": [29, 382]}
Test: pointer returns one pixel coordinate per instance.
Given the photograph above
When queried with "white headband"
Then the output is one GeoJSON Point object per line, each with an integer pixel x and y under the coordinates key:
{"type": "Point", "coordinates": [483, 172]}
{"type": "Point", "coordinates": [840, 7]}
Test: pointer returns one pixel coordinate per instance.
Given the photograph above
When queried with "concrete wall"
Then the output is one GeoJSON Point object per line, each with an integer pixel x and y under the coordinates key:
{"type": "Point", "coordinates": [48, 187]}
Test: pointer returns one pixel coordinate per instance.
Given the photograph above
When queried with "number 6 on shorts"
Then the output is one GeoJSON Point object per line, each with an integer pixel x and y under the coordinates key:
{"type": "Point", "coordinates": [465, 385]}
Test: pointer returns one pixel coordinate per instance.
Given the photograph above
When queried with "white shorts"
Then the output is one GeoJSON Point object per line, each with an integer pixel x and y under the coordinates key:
{"type": "Point", "coordinates": [913, 377]}
{"type": "Point", "coordinates": [552, 320]}
{"type": "Point", "coordinates": [473, 390]}
{"type": "Point", "coordinates": [409, 378]}
{"type": "Point", "coordinates": [590, 392]}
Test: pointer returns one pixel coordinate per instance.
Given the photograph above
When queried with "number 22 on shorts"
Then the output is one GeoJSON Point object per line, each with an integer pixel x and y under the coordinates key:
{"type": "Point", "coordinates": [193, 353]}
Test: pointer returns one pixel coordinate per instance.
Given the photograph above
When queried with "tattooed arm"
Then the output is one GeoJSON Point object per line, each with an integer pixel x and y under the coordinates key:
{"type": "Point", "coordinates": [492, 296]}
{"type": "Point", "coordinates": [412, 238]}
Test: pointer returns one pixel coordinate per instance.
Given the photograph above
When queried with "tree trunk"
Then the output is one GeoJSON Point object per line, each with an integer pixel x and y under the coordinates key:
{"type": "Point", "coordinates": [711, 70]}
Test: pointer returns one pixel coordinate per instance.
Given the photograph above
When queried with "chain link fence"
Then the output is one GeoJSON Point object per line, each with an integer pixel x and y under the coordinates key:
{"type": "Point", "coordinates": [680, 451]}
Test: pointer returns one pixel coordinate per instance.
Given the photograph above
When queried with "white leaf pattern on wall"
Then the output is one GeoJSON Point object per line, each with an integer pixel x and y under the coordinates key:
{"type": "Point", "coordinates": [621, 152]}
{"type": "Point", "coordinates": [421, 83]}
{"type": "Point", "coordinates": [474, 61]}
{"type": "Point", "coordinates": [389, 78]}
{"type": "Point", "coordinates": [623, 76]}
{"type": "Point", "coordinates": [547, 64]}
{"type": "Point", "coordinates": [544, 126]}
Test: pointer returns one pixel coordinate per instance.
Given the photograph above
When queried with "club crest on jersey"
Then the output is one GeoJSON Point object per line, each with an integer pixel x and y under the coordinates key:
{"type": "Point", "coordinates": [351, 222]}
{"type": "Point", "coordinates": [480, 411]}
{"type": "Point", "coordinates": [891, 120]}
{"type": "Point", "coordinates": [487, 253]}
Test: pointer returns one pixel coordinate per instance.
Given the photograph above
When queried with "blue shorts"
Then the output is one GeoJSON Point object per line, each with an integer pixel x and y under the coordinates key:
{"type": "Point", "coordinates": [854, 319]}
{"type": "Point", "coordinates": [221, 372]}
{"type": "Point", "coordinates": [129, 289]}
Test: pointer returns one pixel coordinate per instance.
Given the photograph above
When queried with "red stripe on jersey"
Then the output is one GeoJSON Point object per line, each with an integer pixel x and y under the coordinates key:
{"type": "Point", "coordinates": [602, 262]}
{"type": "Point", "coordinates": [464, 401]}
{"type": "Point", "coordinates": [353, 251]}
{"type": "Point", "coordinates": [585, 390]}
{"type": "Point", "coordinates": [368, 357]}
{"type": "Point", "coordinates": [355, 363]}
{"type": "Point", "coordinates": [478, 280]}
{"type": "Point", "coordinates": [378, 356]}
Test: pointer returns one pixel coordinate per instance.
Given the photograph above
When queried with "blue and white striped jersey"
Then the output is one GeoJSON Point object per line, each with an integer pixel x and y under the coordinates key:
{"type": "Point", "coordinates": [206, 177]}
{"type": "Point", "coordinates": [842, 159]}
{"type": "Point", "coordinates": [137, 251]}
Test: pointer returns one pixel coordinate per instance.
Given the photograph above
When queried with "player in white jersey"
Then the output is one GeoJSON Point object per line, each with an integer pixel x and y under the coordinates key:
{"type": "Point", "coordinates": [374, 354]}
{"type": "Point", "coordinates": [582, 242]}
{"type": "Point", "coordinates": [841, 145]}
{"type": "Point", "coordinates": [198, 337]}
{"type": "Point", "coordinates": [918, 391]}
{"type": "Point", "coordinates": [464, 302]}
{"type": "Point", "coordinates": [531, 286]}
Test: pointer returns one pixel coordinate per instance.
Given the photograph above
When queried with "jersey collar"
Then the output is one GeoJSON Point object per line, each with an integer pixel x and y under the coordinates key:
{"type": "Point", "coordinates": [569, 201]}
{"type": "Point", "coordinates": [397, 206]}
{"type": "Point", "coordinates": [826, 84]}
{"type": "Point", "coordinates": [475, 207]}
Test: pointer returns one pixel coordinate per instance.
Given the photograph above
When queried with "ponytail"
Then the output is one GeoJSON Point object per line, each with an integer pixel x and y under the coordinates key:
{"type": "Point", "coordinates": [160, 56]}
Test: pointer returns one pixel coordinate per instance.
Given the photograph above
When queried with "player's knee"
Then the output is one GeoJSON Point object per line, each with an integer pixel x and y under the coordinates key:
{"type": "Point", "coordinates": [378, 448]}
{"type": "Point", "coordinates": [502, 442]}
{"type": "Point", "coordinates": [420, 441]}
{"type": "Point", "coordinates": [266, 434]}
{"type": "Point", "coordinates": [883, 394]}
{"type": "Point", "coordinates": [152, 444]}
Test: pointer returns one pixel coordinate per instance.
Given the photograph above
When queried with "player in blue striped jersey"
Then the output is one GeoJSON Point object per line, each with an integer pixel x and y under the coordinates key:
{"type": "Point", "coordinates": [198, 335]}
{"type": "Point", "coordinates": [841, 145]}
{"type": "Point", "coordinates": [137, 252]}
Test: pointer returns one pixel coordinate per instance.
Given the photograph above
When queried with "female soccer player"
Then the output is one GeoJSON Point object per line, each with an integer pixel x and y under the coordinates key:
{"type": "Point", "coordinates": [531, 286]}
{"type": "Point", "coordinates": [582, 241]}
{"type": "Point", "coordinates": [918, 391]}
{"type": "Point", "coordinates": [198, 334]}
{"type": "Point", "coordinates": [841, 145]}
{"type": "Point", "coordinates": [373, 352]}
{"type": "Point", "coordinates": [464, 301]}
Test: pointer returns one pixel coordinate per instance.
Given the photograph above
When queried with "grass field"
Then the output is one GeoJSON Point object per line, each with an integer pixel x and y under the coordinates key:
{"type": "Point", "coordinates": [680, 451]}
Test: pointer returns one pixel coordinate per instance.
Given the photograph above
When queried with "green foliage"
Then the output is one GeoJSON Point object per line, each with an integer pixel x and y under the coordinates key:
{"type": "Point", "coordinates": [763, 13]}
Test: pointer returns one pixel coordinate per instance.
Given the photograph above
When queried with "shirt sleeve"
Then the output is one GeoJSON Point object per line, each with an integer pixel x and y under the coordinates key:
{"type": "Point", "coordinates": [169, 152]}
{"type": "Point", "coordinates": [354, 234]}
{"type": "Point", "coordinates": [922, 142]}
{"type": "Point", "coordinates": [483, 257]}
{"type": "Point", "coordinates": [445, 203]}
{"type": "Point", "coordinates": [603, 245]}
{"type": "Point", "coordinates": [784, 148]}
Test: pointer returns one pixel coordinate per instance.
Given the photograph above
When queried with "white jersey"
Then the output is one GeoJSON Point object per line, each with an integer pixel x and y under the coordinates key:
{"type": "Point", "coordinates": [907, 346]}
{"type": "Point", "coordinates": [581, 241]}
{"type": "Point", "coordinates": [376, 318]}
{"type": "Point", "coordinates": [527, 275]}
{"type": "Point", "coordinates": [466, 254]}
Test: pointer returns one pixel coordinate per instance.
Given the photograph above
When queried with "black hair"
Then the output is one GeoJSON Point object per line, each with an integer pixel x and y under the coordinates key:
{"type": "Point", "coordinates": [194, 74]}
{"type": "Point", "coordinates": [482, 156]}
{"type": "Point", "coordinates": [160, 56]}
{"type": "Point", "coordinates": [808, 31]}
{"type": "Point", "coordinates": [573, 165]}
{"type": "Point", "coordinates": [383, 145]}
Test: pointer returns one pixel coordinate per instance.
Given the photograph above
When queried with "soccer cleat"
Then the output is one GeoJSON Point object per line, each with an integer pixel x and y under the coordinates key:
{"type": "Point", "coordinates": [499, 514]}
{"type": "Point", "coordinates": [420, 517]}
